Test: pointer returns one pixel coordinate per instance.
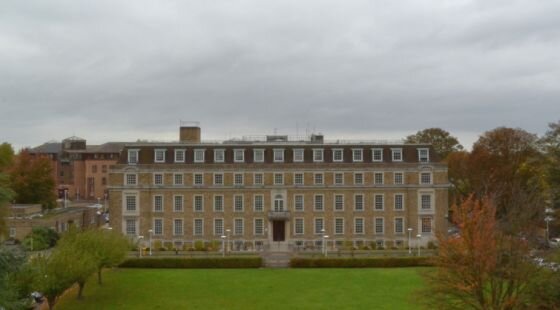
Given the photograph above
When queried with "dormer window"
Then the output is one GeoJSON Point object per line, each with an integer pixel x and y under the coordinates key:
{"type": "Point", "coordinates": [424, 155]}
{"type": "Point", "coordinates": [338, 155]}
{"type": "Point", "coordinates": [357, 155]}
{"type": "Point", "coordinates": [219, 156]}
{"type": "Point", "coordinates": [377, 154]}
{"type": "Point", "coordinates": [132, 156]}
{"type": "Point", "coordinates": [298, 155]}
{"type": "Point", "coordinates": [278, 155]}
{"type": "Point", "coordinates": [179, 156]}
{"type": "Point", "coordinates": [397, 154]}
{"type": "Point", "coordinates": [258, 155]}
{"type": "Point", "coordinates": [239, 155]}
{"type": "Point", "coordinates": [317, 155]}
{"type": "Point", "coordinates": [159, 155]}
{"type": "Point", "coordinates": [199, 155]}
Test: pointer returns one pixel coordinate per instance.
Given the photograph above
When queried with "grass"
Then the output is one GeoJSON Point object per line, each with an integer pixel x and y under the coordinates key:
{"type": "Point", "coordinates": [383, 288]}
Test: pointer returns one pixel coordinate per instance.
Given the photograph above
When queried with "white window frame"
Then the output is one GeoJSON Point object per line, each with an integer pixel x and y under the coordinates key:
{"type": "Point", "coordinates": [356, 201]}
{"type": "Point", "coordinates": [236, 152]}
{"type": "Point", "coordinates": [375, 202]}
{"type": "Point", "coordinates": [296, 178]}
{"type": "Point", "coordinates": [125, 226]}
{"type": "Point", "coordinates": [334, 153]}
{"type": "Point", "coordinates": [130, 156]}
{"type": "Point", "coordinates": [235, 230]}
{"type": "Point", "coordinates": [201, 203]}
{"type": "Point", "coordinates": [431, 220]}
{"type": "Point", "coordinates": [335, 196]}
{"type": "Point", "coordinates": [156, 233]}
{"type": "Point", "coordinates": [317, 231]}
{"type": "Point", "coordinates": [394, 152]}
{"type": "Point", "coordinates": [375, 175]}
{"type": "Point", "coordinates": [182, 232]}
{"type": "Point", "coordinates": [296, 155]}
{"type": "Point", "coordinates": [201, 179]}
{"type": "Point", "coordinates": [395, 220]}
{"type": "Point", "coordinates": [360, 158]}
{"type": "Point", "coordinates": [219, 155]}
{"type": "Point", "coordinates": [136, 210]}
{"type": "Point", "coordinates": [320, 158]}
{"type": "Point", "coordinates": [334, 178]}
{"type": "Point", "coordinates": [221, 220]}
{"type": "Point", "coordinates": [420, 156]}
{"type": "Point", "coordinates": [175, 175]}
{"type": "Point", "coordinates": [216, 174]}
{"type": "Point", "coordinates": [335, 226]}
{"type": "Point", "coordinates": [356, 174]}
{"type": "Point", "coordinates": [321, 175]}
{"type": "Point", "coordinates": [315, 196]}
{"type": "Point", "coordinates": [395, 177]}
{"type": "Point", "coordinates": [154, 204]}
{"type": "Point", "coordinates": [375, 232]}
{"type": "Point", "coordinates": [180, 151]}
{"type": "Point", "coordinates": [275, 180]}
{"type": "Point", "coordinates": [12, 232]}
{"type": "Point", "coordinates": [395, 201]}
{"type": "Point", "coordinates": [241, 201]}
{"type": "Point", "coordinates": [201, 233]}
{"type": "Point", "coordinates": [235, 179]}
{"type": "Point", "coordinates": [155, 178]}
{"type": "Point", "coordinates": [256, 158]}
{"type": "Point", "coordinates": [175, 203]}
{"type": "Point", "coordinates": [298, 220]}
{"type": "Point", "coordinates": [162, 152]}
{"type": "Point", "coordinates": [214, 203]}
{"type": "Point", "coordinates": [255, 178]}
{"type": "Point", "coordinates": [373, 153]}
{"type": "Point", "coordinates": [356, 232]}
{"type": "Point", "coordinates": [421, 179]}
{"type": "Point", "coordinates": [261, 198]}
{"type": "Point", "coordinates": [296, 207]}
{"type": "Point", "coordinates": [196, 152]}
{"type": "Point", "coordinates": [279, 159]}
{"type": "Point", "coordinates": [255, 232]}
{"type": "Point", "coordinates": [421, 194]}
{"type": "Point", "coordinates": [126, 179]}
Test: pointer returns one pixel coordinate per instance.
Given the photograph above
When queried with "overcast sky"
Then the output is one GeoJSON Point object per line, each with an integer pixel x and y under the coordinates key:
{"type": "Point", "coordinates": [122, 70]}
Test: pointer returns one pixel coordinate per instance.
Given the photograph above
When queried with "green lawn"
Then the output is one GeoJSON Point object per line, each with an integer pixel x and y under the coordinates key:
{"type": "Point", "coordinates": [389, 288]}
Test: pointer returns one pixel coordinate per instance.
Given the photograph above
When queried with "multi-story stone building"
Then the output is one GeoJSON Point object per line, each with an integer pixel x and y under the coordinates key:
{"type": "Point", "coordinates": [278, 189]}
{"type": "Point", "coordinates": [80, 170]}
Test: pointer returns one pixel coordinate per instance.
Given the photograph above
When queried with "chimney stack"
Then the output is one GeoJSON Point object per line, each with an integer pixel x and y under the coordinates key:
{"type": "Point", "coordinates": [190, 134]}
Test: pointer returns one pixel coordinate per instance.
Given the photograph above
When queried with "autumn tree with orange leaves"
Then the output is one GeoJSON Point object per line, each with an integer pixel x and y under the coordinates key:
{"type": "Point", "coordinates": [32, 180]}
{"type": "Point", "coordinates": [481, 267]}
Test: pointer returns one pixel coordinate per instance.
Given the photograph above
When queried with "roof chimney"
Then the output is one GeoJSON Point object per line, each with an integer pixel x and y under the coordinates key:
{"type": "Point", "coordinates": [189, 133]}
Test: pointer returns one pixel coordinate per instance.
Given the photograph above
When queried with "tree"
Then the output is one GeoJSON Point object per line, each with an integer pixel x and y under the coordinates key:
{"type": "Point", "coordinates": [6, 156]}
{"type": "Point", "coordinates": [441, 140]}
{"type": "Point", "coordinates": [6, 195]}
{"type": "Point", "coordinates": [10, 265]}
{"type": "Point", "coordinates": [41, 238]}
{"type": "Point", "coordinates": [32, 180]}
{"type": "Point", "coordinates": [550, 144]}
{"type": "Point", "coordinates": [481, 267]}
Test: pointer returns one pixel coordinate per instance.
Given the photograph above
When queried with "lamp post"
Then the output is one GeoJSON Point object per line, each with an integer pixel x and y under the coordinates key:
{"type": "Point", "coordinates": [325, 237]}
{"type": "Point", "coordinates": [140, 246]}
{"type": "Point", "coordinates": [419, 236]}
{"type": "Point", "coordinates": [547, 219]}
{"type": "Point", "coordinates": [227, 239]}
{"type": "Point", "coordinates": [223, 246]}
{"type": "Point", "coordinates": [65, 197]}
{"type": "Point", "coordinates": [409, 232]}
{"type": "Point", "coordinates": [150, 231]}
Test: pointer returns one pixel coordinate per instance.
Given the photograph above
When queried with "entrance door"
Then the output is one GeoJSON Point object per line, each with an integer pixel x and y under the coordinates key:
{"type": "Point", "coordinates": [278, 231]}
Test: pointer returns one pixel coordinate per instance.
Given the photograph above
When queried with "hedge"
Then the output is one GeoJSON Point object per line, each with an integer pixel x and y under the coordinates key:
{"type": "Point", "coordinates": [172, 262]}
{"type": "Point", "coordinates": [382, 262]}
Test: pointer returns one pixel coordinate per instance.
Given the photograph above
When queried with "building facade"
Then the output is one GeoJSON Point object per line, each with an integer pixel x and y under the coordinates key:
{"type": "Point", "coordinates": [80, 171]}
{"type": "Point", "coordinates": [276, 189]}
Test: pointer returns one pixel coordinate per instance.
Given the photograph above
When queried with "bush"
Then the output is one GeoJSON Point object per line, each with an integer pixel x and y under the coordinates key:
{"type": "Point", "coordinates": [171, 262]}
{"type": "Point", "coordinates": [432, 245]}
{"type": "Point", "coordinates": [382, 262]}
{"type": "Point", "coordinates": [42, 238]}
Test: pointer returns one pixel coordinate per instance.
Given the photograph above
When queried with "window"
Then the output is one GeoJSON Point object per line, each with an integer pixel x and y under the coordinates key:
{"type": "Point", "coordinates": [425, 178]}
{"type": "Point", "coordinates": [158, 203]}
{"type": "Point", "coordinates": [198, 203]}
{"type": "Point", "coordinates": [131, 227]}
{"type": "Point", "coordinates": [298, 178]}
{"type": "Point", "coordinates": [398, 178]}
{"type": "Point", "coordinates": [132, 156]}
{"type": "Point", "coordinates": [278, 203]}
{"type": "Point", "coordinates": [103, 181]}
{"type": "Point", "coordinates": [317, 155]}
{"type": "Point", "coordinates": [239, 155]}
{"type": "Point", "coordinates": [318, 205]}
{"type": "Point", "coordinates": [178, 203]}
{"type": "Point", "coordinates": [180, 156]}
{"type": "Point", "coordinates": [238, 179]}
{"type": "Point", "coordinates": [399, 225]}
{"type": "Point", "coordinates": [177, 227]}
{"type": "Point", "coordinates": [219, 155]}
{"type": "Point", "coordinates": [399, 202]}
{"type": "Point", "coordinates": [258, 179]}
{"type": "Point", "coordinates": [158, 227]}
{"type": "Point", "coordinates": [426, 225]}
{"type": "Point", "coordinates": [159, 155]}
{"type": "Point", "coordinates": [423, 155]}
{"type": "Point", "coordinates": [218, 227]}
{"type": "Point", "coordinates": [259, 226]}
{"type": "Point", "coordinates": [258, 203]}
{"type": "Point", "coordinates": [238, 203]}
{"type": "Point", "coordinates": [319, 226]}
{"type": "Point", "coordinates": [357, 155]}
{"type": "Point", "coordinates": [298, 202]}
{"type": "Point", "coordinates": [378, 201]}
{"type": "Point", "coordinates": [298, 155]}
{"type": "Point", "coordinates": [379, 222]}
{"type": "Point", "coordinates": [199, 155]}
{"type": "Point", "coordinates": [130, 201]}
{"type": "Point", "coordinates": [178, 179]}
{"type": "Point", "coordinates": [198, 227]}
{"type": "Point", "coordinates": [278, 179]}
{"type": "Point", "coordinates": [218, 179]}
{"type": "Point", "coordinates": [397, 154]}
{"type": "Point", "coordinates": [338, 155]}
{"type": "Point", "coordinates": [339, 202]}
{"type": "Point", "coordinates": [104, 168]}
{"type": "Point", "coordinates": [339, 178]}
{"type": "Point", "coordinates": [358, 178]}
{"type": "Point", "coordinates": [94, 168]}
{"type": "Point", "coordinates": [298, 226]}
{"type": "Point", "coordinates": [158, 179]}
{"type": "Point", "coordinates": [130, 179]}
{"type": "Point", "coordinates": [258, 155]}
{"type": "Point", "coordinates": [377, 154]}
{"type": "Point", "coordinates": [358, 225]}
{"type": "Point", "coordinates": [378, 178]}
{"type": "Point", "coordinates": [339, 226]}
{"type": "Point", "coordinates": [12, 233]}
{"type": "Point", "coordinates": [218, 203]}
{"type": "Point", "coordinates": [318, 179]}
{"type": "Point", "coordinates": [426, 201]}
{"type": "Point", "coordinates": [278, 155]}
{"type": "Point", "coordinates": [198, 179]}
{"type": "Point", "coordinates": [359, 202]}
{"type": "Point", "coordinates": [238, 226]}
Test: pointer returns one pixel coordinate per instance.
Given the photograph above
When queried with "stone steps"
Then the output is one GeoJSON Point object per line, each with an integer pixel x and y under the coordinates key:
{"type": "Point", "coordinates": [277, 259]}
